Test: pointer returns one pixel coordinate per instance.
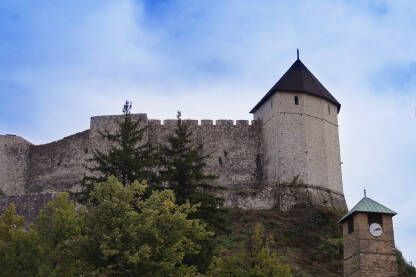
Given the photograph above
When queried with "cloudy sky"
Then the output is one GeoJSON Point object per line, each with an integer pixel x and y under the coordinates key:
{"type": "Point", "coordinates": [64, 61]}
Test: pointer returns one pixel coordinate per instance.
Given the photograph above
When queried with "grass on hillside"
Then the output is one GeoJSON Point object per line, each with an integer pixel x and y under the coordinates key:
{"type": "Point", "coordinates": [307, 238]}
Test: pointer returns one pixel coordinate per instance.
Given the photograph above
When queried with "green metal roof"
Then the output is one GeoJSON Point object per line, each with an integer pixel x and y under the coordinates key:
{"type": "Point", "coordinates": [370, 206]}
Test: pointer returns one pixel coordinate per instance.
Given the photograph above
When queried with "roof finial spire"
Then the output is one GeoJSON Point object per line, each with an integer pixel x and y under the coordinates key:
{"type": "Point", "coordinates": [365, 193]}
{"type": "Point", "coordinates": [297, 52]}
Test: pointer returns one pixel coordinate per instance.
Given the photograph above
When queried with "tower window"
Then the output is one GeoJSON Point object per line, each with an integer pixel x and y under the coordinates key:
{"type": "Point", "coordinates": [296, 100]}
{"type": "Point", "coordinates": [375, 218]}
{"type": "Point", "coordinates": [350, 225]}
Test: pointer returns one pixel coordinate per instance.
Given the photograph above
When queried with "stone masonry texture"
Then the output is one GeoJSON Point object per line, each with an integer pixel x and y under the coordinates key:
{"type": "Point", "coordinates": [365, 255]}
{"type": "Point", "coordinates": [289, 153]}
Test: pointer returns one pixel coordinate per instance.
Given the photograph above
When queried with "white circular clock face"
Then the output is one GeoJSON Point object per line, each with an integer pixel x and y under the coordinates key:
{"type": "Point", "coordinates": [376, 230]}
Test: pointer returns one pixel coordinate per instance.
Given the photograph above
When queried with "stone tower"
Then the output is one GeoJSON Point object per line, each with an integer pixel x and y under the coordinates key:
{"type": "Point", "coordinates": [299, 119]}
{"type": "Point", "coordinates": [369, 240]}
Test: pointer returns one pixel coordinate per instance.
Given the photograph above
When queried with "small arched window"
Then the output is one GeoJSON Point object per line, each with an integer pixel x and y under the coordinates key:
{"type": "Point", "coordinates": [296, 100]}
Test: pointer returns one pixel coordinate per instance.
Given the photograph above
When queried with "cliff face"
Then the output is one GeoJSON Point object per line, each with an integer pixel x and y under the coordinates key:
{"type": "Point", "coordinates": [29, 173]}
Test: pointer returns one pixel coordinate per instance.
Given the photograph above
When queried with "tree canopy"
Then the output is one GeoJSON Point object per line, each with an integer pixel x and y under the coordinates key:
{"type": "Point", "coordinates": [110, 236]}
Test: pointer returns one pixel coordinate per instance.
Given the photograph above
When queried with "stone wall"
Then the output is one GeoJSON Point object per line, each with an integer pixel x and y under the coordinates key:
{"type": "Point", "coordinates": [14, 156]}
{"type": "Point", "coordinates": [254, 161]}
{"type": "Point", "coordinates": [57, 166]}
{"type": "Point", "coordinates": [233, 148]}
{"type": "Point", "coordinates": [27, 205]}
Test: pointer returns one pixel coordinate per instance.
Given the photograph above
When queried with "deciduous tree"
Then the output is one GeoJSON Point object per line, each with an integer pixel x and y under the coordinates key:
{"type": "Point", "coordinates": [124, 235]}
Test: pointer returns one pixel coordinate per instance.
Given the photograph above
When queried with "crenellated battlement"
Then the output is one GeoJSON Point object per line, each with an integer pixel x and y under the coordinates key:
{"type": "Point", "coordinates": [203, 122]}
{"type": "Point", "coordinates": [98, 120]}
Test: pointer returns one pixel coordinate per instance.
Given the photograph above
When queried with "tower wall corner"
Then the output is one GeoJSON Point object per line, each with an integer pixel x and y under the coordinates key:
{"type": "Point", "coordinates": [14, 156]}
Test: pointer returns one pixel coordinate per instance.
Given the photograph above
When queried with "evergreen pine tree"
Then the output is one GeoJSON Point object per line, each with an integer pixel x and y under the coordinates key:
{"type": "Point", "coordinates": [183, 166]}
{"type": "Point", "coordinates": [129, 158]}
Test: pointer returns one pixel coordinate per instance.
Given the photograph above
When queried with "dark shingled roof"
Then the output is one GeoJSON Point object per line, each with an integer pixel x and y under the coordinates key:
{"type": "Point", "coordinates": [299, 79]}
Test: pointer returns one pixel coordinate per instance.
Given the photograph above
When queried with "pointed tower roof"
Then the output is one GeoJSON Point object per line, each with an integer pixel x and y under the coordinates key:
{"type": "Point", "coordinates": [299, 79]}
{"type": "Point", "coordinates": [368, 205]}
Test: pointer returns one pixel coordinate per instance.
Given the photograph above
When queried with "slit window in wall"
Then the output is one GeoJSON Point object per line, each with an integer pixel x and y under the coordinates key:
{"type": "Point", "coordinates": [296, 100]}
{"type": "Point", "coordinates": [350, 225]}
{"type": "Point", "coordinates": [271, 102]}
{"type": "Point", "coordinates": [329, 109]}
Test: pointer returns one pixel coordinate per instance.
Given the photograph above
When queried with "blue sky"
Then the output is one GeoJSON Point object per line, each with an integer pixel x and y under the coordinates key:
{"type": "Point", "coordinates": [64, 61]}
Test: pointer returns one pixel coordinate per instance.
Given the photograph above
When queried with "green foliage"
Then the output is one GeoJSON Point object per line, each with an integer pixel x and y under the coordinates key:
{"type": "Point", "coordinates": [45, 249]}
{"type": "Point", "coordinates": [19, 252]}
{"type": "Point", "coordinates": [405, 269]}
{"type": "Point", "coordinates": [129, 159]}
{"type": "Point", "coordinates": [123, 235]}
{"type": "Point", "coordinates": [183, 166]}
{"type": "Point", "coordinates": [307, 238]}
{"type": "Point", "coordinates": [183, 172]}
{"type": "Point", "coordinates": [56, 226]}
{"type": "Point", "coordinates": [116, 234]}
{"type": "Point", "coordinates": [255, 258]}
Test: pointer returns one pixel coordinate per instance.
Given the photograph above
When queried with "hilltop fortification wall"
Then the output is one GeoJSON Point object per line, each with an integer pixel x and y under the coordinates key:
{"type": "Point", "coordinates": [246, 157]}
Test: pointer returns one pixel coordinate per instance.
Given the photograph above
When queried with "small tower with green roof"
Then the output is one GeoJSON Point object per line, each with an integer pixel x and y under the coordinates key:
{"type": "Point", "coordinates": [369, 240]}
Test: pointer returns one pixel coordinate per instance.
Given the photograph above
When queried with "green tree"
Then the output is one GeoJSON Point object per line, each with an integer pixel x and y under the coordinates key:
{"type": "Point", "coordinates": [56, 227]}
{"type": "Point", "coordinates": [45, 249]}
{"type": "Point", "coordinates": [19, 250]}
{"type": "Point", "coordinates": [183, 166]}
{"type": "Point", "coordinates": [124, 235]}
{"type": "Point", "coordinates": [183, 171]}
{"type": "Point", "coordinates": [129, 159]}
{"type": "Point", "coordinates": [254, 259]}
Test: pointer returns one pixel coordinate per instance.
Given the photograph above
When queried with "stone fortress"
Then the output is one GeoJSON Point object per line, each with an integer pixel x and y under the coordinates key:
{"type": "Point", "coordinates": [289, 152]}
